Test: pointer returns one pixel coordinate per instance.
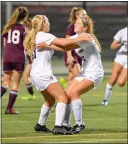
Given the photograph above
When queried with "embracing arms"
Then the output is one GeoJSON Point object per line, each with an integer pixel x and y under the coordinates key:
{"type": "Point", "coordinates": [65, 44]}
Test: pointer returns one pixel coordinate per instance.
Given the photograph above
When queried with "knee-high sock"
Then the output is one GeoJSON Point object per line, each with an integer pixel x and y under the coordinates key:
{"type": "Point", "coordinates": [60, 113]}
{"type": "Point", "coordinates": [44, 114]}
{"type": "Point", "coordinates": [3, 90]}
{"type": "Point", "coordinates": [77, 110]}
{"type": "Point", "coordinates": [12, 98]}
{"type": "Point", "coordinates": [30, 89]}
{"type": "Point", "coordinates": [108, 92]}
{"type": "Point", "coordinates": [67, 119]}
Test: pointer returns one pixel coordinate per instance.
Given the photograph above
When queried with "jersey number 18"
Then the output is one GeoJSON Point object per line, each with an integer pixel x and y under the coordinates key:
{"type": "Point", "coordinates": [14, 38]}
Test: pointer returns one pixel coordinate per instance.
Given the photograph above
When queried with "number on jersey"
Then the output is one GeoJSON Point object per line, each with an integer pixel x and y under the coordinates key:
{"type": "Point", "coordinates": [13, 36]}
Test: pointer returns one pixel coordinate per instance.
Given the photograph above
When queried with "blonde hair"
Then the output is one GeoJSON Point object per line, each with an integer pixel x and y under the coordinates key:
{"type": "Point", "coordinates": [89, 23]}
{"type": "Point", "coordinates": [38, 23]}
{"type": "Point", "coordinates": [18, 15]}
{"type": "Point", "coordinates": [75, 11]}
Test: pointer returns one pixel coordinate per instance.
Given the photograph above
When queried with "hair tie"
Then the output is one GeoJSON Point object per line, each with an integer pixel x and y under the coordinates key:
{"type": "Point", "coordinates": [43, 18]}
{"type": "Point", "coordinates": [84, 20]}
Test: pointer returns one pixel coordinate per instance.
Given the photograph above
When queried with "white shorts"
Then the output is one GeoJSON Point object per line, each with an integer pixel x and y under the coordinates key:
{"type": "Point", "coordinates": [41, 83]}
{"type": "Point", "coordinates": [95, 78]}
{"type": "Point", "coordinates": [121, 59]}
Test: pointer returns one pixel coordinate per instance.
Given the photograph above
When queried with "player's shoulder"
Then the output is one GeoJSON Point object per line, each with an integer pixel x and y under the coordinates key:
{"type": "Point", "coordinates": [19, 27]}
{"type": "Point", "coordinates": [71, 26]}
{"type": "Point", "coordinates": [44, 34]}
{"type": "Point", "coordinates": [123, 30]}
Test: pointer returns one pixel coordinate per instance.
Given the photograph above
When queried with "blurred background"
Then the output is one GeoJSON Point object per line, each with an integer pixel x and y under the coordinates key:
{"type": "Point", "coordinates": [108, 17]}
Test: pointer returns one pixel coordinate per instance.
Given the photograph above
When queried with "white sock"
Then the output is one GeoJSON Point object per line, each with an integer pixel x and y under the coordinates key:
{"type": "Point", "coordinates": [60, 113]}
{"type": "Point", "coordinates": [77, 110]}
{"type": "Point", "coordinates": [44, 114]}
{"type": "Point", "coordinates": [67, 119]}
{"type": "Point", "coordinates": [108, 92]}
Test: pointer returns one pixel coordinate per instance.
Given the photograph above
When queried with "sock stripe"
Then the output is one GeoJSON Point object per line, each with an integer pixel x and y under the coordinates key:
{"type": "Point", "coordinates": [29, 85]}
{"type": "Point", "coordinates": [14, 92]}
{"type": "Point", "coordinates": [5, 87]}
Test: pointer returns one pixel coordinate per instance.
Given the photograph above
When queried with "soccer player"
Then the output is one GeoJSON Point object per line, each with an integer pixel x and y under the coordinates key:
{"type": "Point", "coordinates": [14, 58]}
{"type": "Point", "coordinates": [26, 74]}
{"type": "Point", "coordinates": [91, 74]}
{"type": "Point", "coordinates": [72, 60]}
{"type": "Point", "coordinates": [120, 69]}
{"type": "Point", "coordinates": [41, 73]}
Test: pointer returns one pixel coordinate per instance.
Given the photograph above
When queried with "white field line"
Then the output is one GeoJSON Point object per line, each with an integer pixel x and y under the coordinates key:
{"type": "Point", "coordinates": [100, 119]}
{"type": "Point", "coordinates": [89, 141]}
{"type": "Point", "coordinates": [60, 136]}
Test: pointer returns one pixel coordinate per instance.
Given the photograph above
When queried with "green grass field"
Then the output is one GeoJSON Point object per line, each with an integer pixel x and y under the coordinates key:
{"type": "Point", "coordinates": [105, 124]}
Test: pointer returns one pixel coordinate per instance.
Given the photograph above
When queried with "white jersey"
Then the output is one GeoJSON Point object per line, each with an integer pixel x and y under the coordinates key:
{"type": "Point", "coordinates": [41, 65]}
{"type": "Point", "coordinates": [91, 58]}
{"type": "Point", "coordinates": [121, 37]}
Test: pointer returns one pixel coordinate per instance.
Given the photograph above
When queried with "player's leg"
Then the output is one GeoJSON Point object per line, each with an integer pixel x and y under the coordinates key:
{"type": "Point", "coordinates": [16, 78]}
{"type": "Point", "coordinates": [26, 77]}
{"type": "Point", "coordinates": [44, 113]}
{"type": "Point", "coordinates": [79, 87]}
{"type": "Point", "coordinates": [73, 71]}
{"type": "Point", "coordinates": [6, 82]}
{"type": "Point", "coordinates": [67, 119]}
{"type": "Point", "coordinates": [123, 77]}
{"type": "Point", "coordinates": [56, 90]}
{"type": "Point", "coordinates": [117, 67]}
{"type": "Point", "coordinates": [6, 77]}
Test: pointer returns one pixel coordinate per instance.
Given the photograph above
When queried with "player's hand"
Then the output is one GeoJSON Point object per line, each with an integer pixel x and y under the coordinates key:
{"type": "Point", "coordinates": [125, 43]}
{"type": "Point", "coordinates": [41, 45]}
{"type": "Point", "coordinates": [86, 37]}
{"type": "Point", "coordinates": [70, 60]}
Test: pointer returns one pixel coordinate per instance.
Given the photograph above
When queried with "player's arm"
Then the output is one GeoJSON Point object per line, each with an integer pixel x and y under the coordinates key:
{"type": "Point", "coordinates": [65, 42]}
{"type": "Point", "coordinates": [115, 45]}
{"type": "Point", "coordinates": [70, 58]}
{"type": "Point", "coordinates": [57, 48]}
{"type": "Point", "coordinates": [4, 42]}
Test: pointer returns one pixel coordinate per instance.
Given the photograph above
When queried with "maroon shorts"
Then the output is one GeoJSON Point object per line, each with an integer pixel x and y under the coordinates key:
{"type": "Point", "coordinates": [10, 66]}
{"type": "Point", "coordinates": [77, 59]}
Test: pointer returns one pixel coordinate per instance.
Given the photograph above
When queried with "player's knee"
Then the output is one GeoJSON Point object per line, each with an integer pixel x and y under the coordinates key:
{"type": "Point", "coordinates": [50, 103]}
{"type": "Point", "coordinates": [74, 95]}
{"type": "Point", "coordinates": [15, 87]}
{"type": "Point", "coordinates": [63, 99]}
{"type": "Point", "coordinates": [121, 83]}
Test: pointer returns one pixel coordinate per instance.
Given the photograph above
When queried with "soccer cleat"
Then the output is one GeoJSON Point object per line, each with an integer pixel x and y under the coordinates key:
{"type": "Point", "coordinates": [68, 128]}
{"type": "Point", "coordinates": [30, 97]}
{"type": "Point", "coordinates": [11, 111]}
{"type": "Point", "coordinates": [105, 102]}
{"type": "Point", "coordinates": [77, 128]}
{"type": "Point", "coordinates": [60, 130]}
{"type": "Point", "coordinates": [43, 128]}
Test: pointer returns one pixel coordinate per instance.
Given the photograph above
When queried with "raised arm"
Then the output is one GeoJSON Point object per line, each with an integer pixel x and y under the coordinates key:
{"type": "Point", "coordinates": [65, 43]}
{"type": "Point", "coordinates": [57, 48]}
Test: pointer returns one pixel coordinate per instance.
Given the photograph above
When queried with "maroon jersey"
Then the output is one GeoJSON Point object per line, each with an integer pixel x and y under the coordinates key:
{"type": "Point", "coordinates": [77, 59]}
{"type": "Point", "coordinates": [14, 49]}
{"type": "Point", "coordinates": [70, 30]}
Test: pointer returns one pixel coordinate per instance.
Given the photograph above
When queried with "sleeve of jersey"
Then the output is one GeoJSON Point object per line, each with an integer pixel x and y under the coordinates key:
{"type": "Point", "coordinates": [117, 37]}
{"type": "Point", "coordinates": [76, 36]}
{"type": "Point", "coordinates": [49, 38]}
